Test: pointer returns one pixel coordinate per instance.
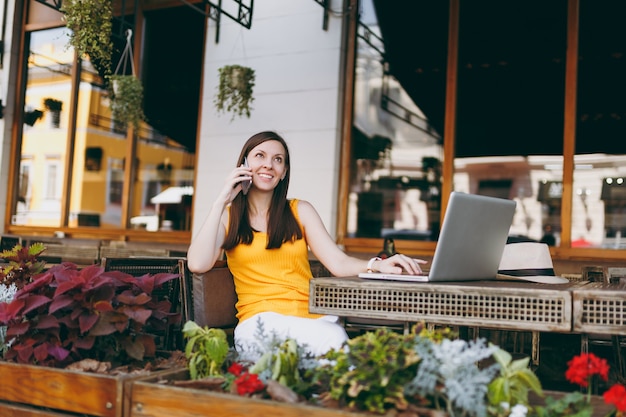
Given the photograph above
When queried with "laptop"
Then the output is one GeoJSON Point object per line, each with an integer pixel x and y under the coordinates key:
{"type": "Point", "coordinates": [473, 235]}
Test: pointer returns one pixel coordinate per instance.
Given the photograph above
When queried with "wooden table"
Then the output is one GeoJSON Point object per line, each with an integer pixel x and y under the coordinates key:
{"type": "Point", "coordinates": [503, 305]}
{"type": "Point", "coordinates": [507, 305]}
{"type": "Point", "coordinates": [599, 315]}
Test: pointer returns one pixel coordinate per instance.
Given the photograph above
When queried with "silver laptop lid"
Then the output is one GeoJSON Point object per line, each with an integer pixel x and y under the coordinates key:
{"type": "Point", "coordinates": [474, 231]}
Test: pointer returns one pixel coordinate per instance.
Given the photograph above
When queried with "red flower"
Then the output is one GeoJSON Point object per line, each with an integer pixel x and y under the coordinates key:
{"type": "Point", "coordinates": [248, 383]}
{"type": "Point", "coordinates": [236, 369]}
{"type": "Point", "coordinates": [584, 366]}
{"type": "Point", "coordinates": [616, 395]}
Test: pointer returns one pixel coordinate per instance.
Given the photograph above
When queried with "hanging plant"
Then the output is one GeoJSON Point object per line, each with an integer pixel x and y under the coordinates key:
{"type": "Point", "coordinates": [52, 104]}
{"type": "Point", "coordinates": [234, 92]}
{"type": "Point", "coordinates": [126, 92]}
{"type": "Point", "coordinates": [91, 25]}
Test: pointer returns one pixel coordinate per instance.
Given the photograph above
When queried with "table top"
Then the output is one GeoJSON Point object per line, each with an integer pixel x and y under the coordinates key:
{"type": "Point", "coordinates": [508, 305]}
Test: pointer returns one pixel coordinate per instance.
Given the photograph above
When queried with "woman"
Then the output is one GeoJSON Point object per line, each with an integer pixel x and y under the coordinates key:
{"type": "Point", "coordinates": [266, 238]}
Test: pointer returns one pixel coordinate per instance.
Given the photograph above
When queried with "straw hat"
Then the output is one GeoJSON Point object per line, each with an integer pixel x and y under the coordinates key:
{"type": "Point", "coordinates": [528, 261]}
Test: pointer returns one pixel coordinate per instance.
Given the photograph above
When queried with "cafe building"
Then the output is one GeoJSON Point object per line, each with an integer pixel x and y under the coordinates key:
{"type": "Point", "coordinates": [387, 107]}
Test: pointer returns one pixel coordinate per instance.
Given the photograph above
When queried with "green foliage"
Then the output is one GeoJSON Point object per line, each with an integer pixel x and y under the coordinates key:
{"type": "Point", "coordinates": [22, 264]}
{"type": "Point", "coordinates": [206, 350]}
{"type": "Point", "coordinates": [371, 370]}
{"type": "Point", "coordinates": [436, 335]}
{"type": "Point", "coordinates": [573, 404]}
{"type": "Point", "coordinates": [514, 381]}
{"type": "Point", "coordinates": [235, 89]}
{"type": "Point", "coordinates": [281, 364]}
{"type": "Point", "coordinates": [90, 22]}
{"type": "Point", "coordinates": [450, 377]}
{"type": "Point", "coordinates": [126, 92]}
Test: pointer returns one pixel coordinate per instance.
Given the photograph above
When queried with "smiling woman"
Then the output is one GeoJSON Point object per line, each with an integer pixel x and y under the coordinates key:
{"type": "Point", "coordinates": [266, 239]}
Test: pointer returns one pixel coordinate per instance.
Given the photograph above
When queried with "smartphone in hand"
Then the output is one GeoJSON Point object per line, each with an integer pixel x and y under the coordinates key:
{"type": "Point", "coordinates": [245, 185]}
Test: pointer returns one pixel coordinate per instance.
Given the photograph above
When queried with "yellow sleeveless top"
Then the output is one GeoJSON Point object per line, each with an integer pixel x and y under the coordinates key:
{"type": "Point", "coordinates": [271, 280]}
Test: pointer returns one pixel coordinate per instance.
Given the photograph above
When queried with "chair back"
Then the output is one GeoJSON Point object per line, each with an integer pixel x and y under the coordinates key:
{"type": "Point", "coordinates": [214, 298]}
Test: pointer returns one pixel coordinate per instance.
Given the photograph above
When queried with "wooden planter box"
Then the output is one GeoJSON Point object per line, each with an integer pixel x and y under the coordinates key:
{"type": "Point", "coordinates": [600, 409]}
{"type": "Point", "coordinates": [155, 398]}
{"type": "Point", "coordinates": [29, 390]}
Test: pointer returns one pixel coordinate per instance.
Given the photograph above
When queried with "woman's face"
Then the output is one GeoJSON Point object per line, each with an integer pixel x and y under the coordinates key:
{"type": "Point", "coordinates": [268, 164]}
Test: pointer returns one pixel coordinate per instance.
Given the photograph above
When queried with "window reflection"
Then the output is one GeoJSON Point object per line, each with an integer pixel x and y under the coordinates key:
{"type": "Point", "coordinates": [397, 152]}
{"type": "Point", "coordinates": [510, 111]}
{"type": "Point", "coordinates": [599, 197]}
{"type": "Point", "coordinates": [163, 187]}
{"type": "Point", "coordinates": [160, 166]}
{"type": "Point", "coordinates": [44, 138]}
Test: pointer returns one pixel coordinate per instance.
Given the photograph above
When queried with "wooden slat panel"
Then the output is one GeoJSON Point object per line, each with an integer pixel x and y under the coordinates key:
{"type": "Point", "coordinates": [78, 392]}
{"type": "Point", "coordinates": [152, 400]}
{"type": "Point", "coordinates": [504, 305]}
{"type": "Point", "coordinates": [13, 410]}
{"type": "Point", "coordinates": [600, 308]}
{"type": "Point", "coordinates": [66, 391]}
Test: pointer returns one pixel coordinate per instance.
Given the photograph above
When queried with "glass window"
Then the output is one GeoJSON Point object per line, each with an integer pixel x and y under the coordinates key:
{"type": "Point", "coordinates": [47, 78]}
{"type": "Point", "coordinates": [397, 134]}
{"type": "Point", "coordinates": [160, 160]}
{"type": "Point", "coordinates": [599, 197]}
{"type": "Point", "coordinates": [163, 188]}
{"type": "Point", "coordinates": [511, 109]}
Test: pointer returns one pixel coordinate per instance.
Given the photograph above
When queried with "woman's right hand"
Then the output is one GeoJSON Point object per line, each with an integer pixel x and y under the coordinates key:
{"type": "Point", "coordinates": [232, 185]}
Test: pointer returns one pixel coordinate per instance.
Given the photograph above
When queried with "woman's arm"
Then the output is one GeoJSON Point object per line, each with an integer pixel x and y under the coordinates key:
{"type": "Point", "coordinates": [336, 260]}
{"type": "Point", "coordinates": [206, 246]}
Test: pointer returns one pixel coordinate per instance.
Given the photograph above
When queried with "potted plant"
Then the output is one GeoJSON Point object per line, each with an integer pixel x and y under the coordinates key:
{"type": "Point", "coordinates": [53, 104]}
{"type": "Point", "coordinates": [22, 264]}
{"type": "Point", "coordinates": [424, 373]}
{"type": "Point", "coordinates": [235, 90]}
{"type": "Point", "coordinates": [126, 92]}
{"type": "Point", "coordinates": [90, 22]}
{"type": "Point", "coordinates": [68, 327]}
{"type": "Point", "coordinates": [54, 107]}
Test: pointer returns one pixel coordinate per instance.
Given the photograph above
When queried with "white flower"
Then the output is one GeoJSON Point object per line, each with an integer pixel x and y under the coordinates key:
{"type": "Point", "coordinates": [6, 296]}
{"type": "Point", "coordinates": [519, 410]}
{"type": "Point", "coordinates": [7, 293]}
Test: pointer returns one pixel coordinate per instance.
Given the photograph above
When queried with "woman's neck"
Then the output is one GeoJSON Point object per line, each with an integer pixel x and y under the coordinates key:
{"type": "Point", "coordinates": [259, 205]}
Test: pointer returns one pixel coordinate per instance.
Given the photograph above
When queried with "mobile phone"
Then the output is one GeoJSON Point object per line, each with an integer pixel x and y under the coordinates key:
{"type": "Point", "coordinates": [245, 185]}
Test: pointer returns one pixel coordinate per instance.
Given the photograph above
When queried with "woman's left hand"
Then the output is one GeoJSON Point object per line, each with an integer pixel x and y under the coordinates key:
{"type": "Point", "coordinates": [400, 264]}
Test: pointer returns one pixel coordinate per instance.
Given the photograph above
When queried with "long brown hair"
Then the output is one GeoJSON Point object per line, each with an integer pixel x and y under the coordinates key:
{"type": "Point", "coordinates": [282, 225]}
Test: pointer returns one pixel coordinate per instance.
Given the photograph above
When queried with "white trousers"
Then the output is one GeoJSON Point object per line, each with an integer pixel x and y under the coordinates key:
{"type": "Point", "coordinates": [317, 336]}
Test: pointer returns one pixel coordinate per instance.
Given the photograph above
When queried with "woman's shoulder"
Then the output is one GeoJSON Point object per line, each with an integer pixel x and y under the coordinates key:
{"type": "Point", "coordinates": [296, 203]}
{"type": "Point", "coordinates": [302, 208]}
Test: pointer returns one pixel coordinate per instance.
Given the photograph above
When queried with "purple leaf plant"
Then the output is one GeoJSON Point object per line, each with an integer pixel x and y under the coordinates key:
{"type": "Point", "coordinates": [67, 314]}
